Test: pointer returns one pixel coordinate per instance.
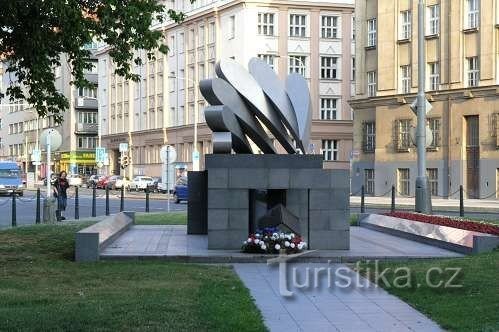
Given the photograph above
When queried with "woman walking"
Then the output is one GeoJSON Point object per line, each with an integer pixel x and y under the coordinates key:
{"type": "Point", "coordinates": [61, 186]}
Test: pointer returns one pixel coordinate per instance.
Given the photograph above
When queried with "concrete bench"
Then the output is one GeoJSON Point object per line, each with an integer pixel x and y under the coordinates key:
{"type": "Point", "coordinates": [450, 238]}
{"type": "Point", "coordinates": [92, 240]}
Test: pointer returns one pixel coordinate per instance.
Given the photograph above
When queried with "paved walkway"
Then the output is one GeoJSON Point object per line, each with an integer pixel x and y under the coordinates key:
{"type": "Point", "coordinates": [359, 307]}
{"type": "Point", "coordinates": [171, 242]}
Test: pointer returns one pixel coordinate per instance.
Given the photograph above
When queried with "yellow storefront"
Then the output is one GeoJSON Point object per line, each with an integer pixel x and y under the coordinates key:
{"type": "Point", "coordinates": [78, 162]}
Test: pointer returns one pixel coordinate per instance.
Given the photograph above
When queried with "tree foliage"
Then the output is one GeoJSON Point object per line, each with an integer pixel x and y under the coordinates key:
{"type": "Point", "coordinates": [35, 33]}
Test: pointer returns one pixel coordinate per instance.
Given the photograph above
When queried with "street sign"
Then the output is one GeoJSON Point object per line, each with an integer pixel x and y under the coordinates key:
{"type": "Point", "coordinates": [429, 136]}
{"type": "Point", "coordinates": [100, 154]}
{"type": "Point", "coordinates": [172, 154]}
{"type": "Point", "coordinates": [106, 159]}
{"type": "Point", "coordinates": [36, 155]}
{"type": "Point", "coordinates": [195, 156]}
{"type": "Point", "coordinates": [100, 164]}
{"type": "Point", "coordinates": [414, 106]}
{"type": "Point", "coordinates": [55, 138]}
{"type": "Point", "coordinates": [123, 147]}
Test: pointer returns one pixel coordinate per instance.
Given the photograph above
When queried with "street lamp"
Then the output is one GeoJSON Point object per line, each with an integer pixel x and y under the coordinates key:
{"type": "Point", "coordinates": [195, 152]}
{"type": "Point", "coordinates": [423, 197]}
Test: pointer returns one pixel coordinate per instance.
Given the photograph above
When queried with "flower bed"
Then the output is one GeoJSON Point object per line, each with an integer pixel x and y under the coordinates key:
{"type": "Point", "coordinates": [469, 225]}
{"type": "Point", "coordinates": [273, 241]}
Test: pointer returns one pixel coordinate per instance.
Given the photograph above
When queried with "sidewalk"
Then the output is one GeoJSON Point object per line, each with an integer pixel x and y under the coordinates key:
{"type": "Point", "coordinates": [439, 204]}
{"type": "Point", "coordinates": [359, 307]}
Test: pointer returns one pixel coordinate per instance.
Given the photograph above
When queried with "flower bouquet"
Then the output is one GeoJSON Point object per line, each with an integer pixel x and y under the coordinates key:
{"type": "Point", "coordinates": [273, 241]}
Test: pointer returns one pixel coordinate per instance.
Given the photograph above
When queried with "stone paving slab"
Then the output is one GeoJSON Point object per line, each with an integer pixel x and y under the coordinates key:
{"type": "Point", "coordinates": [171, 242]}
{"type": "Point", "coordinates": [324, 306]}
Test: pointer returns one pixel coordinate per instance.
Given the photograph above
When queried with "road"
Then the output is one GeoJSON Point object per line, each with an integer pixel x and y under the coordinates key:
{"type": "Point", "coordinates": [26, 206]}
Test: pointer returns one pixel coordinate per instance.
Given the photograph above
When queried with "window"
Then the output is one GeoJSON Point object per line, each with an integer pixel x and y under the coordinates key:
{"type": "Point", "coordinates": [87, 142]}
{"type": "Point", "coordinates": [434, 77]}
{"type": "Point", "coordinates": [181, 42]}
{"type": "Point", "coordinates": [330, 149]}
{"type": "Point", "coordinates": [434, 125]}
{"type": "Point", "coordinates": [405, 24]}
{"type": "Point", "coordinates": [211, 32]}
{"type": "Point", "coordinates": [369, 181]}
{"type": "Point", "coordinates": [266, 24]}
{"type": "Point", "coordinates": [268, 58]}
{"type": "Point", "coordinates": [191, 39]}
{"type": "Point", "coordinates": [405, 79]}
{"type": "Point", "coordinates": [432, 174]}
{"type": "Point", "coordinates": [402, 134]}
{"type": "Point", "coordinates": [353, 27]}
{"type": "Point", "coordinates": [371, 83]}
{"type": "Point", "coordinates": [473, 71]}
{"type": "Point", "coordinates": [201, 35]}
{"type": "Point", "coordinates": [232, 26]}
{"type": "Point", "coordinates": [329, 67]}
{"type": "Point", "coordinates": [371, 32]}
{"type": "Point", "coordinates": [297, 25]}
{"type": "Point", "coordinates": [87, 92]}
{"type": "Point", "coordinates": [329, 26]}
{"type": "Point", "coordinates": [368, 137]}
{"type": "Point", "coordinates": [201, 74]}
{"type": "Point", "coordinates": [433, 13]}
{"type": "Point", "coordinates": [297, 64]}
{"type": "Point", "coordinates": [473, 13]}
{"type": "Point", "coordinates": [352, 75]}
{"type": "Point", "coordinates": [87, 117]}
{"type": "Point", "coordinates": [403, 184]}
{"type": "Point", "coordinates": [329, 109]}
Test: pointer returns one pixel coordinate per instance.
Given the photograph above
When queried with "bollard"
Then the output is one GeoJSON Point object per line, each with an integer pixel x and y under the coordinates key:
{"type": "Point", "coordinates": [362, 203]}
{"type": "Point", "coordinates": [94, 212]}
{"type": "Point", "coordinates": [107, 201]}
{"type": "Point", "coordinates": [461, 201]}
{"type": "Point", "coordinates": [77, 204]}
{"type": "Point", "coordinates": [147, 198]}
{"type": "Point", "coordinates": [14, 210]}
{"type": "Point", "coordinates": [393, 199]}
{"type": "Point", "coordinates": [37, 220]}
{"type": "Point", "coordinates": [122, 200]}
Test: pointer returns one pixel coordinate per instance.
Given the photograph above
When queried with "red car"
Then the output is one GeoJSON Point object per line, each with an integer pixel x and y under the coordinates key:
{"type": "Point", "coordinates": [102, 182]}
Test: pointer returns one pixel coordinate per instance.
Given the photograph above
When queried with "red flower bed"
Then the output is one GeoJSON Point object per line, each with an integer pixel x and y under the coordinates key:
{"type": "Point", "coordinates": [469, 225]}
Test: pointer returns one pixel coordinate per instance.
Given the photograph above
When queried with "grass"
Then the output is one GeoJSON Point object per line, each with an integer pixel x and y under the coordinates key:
{"type": "Point", "coordinates": [474, 307]}
{"type": "Point", "coordinates": [169, 218]}
{"type": "Point", "coordinates": [41, 288]}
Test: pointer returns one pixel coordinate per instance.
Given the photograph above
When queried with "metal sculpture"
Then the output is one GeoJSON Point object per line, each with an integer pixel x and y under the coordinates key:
{"type": "Point", "coordinates": [251, 99]}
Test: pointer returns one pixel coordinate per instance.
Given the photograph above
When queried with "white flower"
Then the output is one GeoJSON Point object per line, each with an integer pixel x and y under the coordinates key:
{"type": "Point", "coordinates": [292, 235]}
{"type": "Point", "coordinates": [257, 241]}
{"type": "Point", "coordinates": [277, 247]}
{"type": "Point", "coordinates": [264, 247]}
{"type": "Point", "coordinates": [292, 245]}
{"type": "Point", "coordinates": [281, 235]}
{"type": "Point", "coordinates": [275, 235]}
{"type": "Point", "coordinates": [300, 246]}
{"type": "Point", "coordinates": [257, 235]}
{"type": "Point", "coordinates": [249, 240]}
{"type": "Point", "coordinates": [304, 244]}
{"type": "Point", "coordinates": [245, 242]}
{"type": "Point", "coordinates": [286, 244]}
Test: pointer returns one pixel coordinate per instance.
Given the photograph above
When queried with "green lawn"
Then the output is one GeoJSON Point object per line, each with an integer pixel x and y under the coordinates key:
{"type": "Point", "coordinates": [474, 307]}
{"type": "Point", "coordinates": [42, 289]}
{"type": "Point", "coordinates": [171, 218]}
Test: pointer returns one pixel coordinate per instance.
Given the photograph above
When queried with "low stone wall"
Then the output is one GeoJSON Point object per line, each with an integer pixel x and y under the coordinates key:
{"type": "Point", "coordinates": [318, 197]}
{"type": "Point", "coordinates": [90, 241]}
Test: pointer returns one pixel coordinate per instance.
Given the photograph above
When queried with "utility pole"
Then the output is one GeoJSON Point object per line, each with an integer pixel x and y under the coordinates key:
{"type": "Point", "coordinates": [423, 197]}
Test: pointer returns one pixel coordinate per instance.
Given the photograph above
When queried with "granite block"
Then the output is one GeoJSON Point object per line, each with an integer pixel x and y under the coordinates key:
{"type": "Point", "coordinates": [255, 178]}
{"type": "Point", "coordinates": [309, 178]}
{"type": "Point", "coordinates": [218, 198]}
{"type": "Point", "coordinates": [238, 219]}
{"type": "Point", "coordinates": [340, 199]}
{"type": "Point", "coordinates": [278, 178]}
{"type": "Point", "coordinates": [226, 239]}
{"type": "Point", "coordinates": [320, 199]}
{"type": "Point", "coordinates": [340, 178]}
{"type": "Point", "coordinates": [218, 178]}
{"type": "Point", "coordinates": [319, 219]}
{"type": "Point", "coordinates": [339, 219]}
{"type": "Point", "coordinates": [329, 240]}
{"type": "Point", "coordinates": [218, 219]}
{"type": "Point", "coordinates": [238, 199]}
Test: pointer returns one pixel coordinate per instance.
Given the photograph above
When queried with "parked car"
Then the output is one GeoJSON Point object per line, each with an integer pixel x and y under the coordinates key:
{"type": "Point", "coordinates": [10, 178]}
{"type": "Point", "coordinates": [140, 183]}
{"type": "Point", "coordinates": [155, 182]}
{"type": "Point", "coordinates": [116, 182]}
{"type": "Point", "coordinates": [162, 188]}
{"type": "Point", "coordinates": [102, 183]}
{"type": "Point", "coordinates": [92, 180]}
{"type": "Point", "coordinates": [181, 190]}
{"type": "Point", "coordinates": [75, 180]}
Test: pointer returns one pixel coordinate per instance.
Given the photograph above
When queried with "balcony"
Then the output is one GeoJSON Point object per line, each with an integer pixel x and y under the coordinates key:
{"type": "Point", "coordinates": [85, 103]}
{"type": "Point", "coordinates": [86, 128]}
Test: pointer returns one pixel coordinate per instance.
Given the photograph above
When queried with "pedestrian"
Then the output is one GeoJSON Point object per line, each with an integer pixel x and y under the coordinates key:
{"type": "Point", "coordinates": [61, 186]}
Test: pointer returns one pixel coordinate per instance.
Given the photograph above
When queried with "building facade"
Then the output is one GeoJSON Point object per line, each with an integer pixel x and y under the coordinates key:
{"type": "Point", "coordinates": [312, 38]}
{"type": "Point", "coordinates": [21, 127]}
{"type": "Point", "coordinates": [462, 77]}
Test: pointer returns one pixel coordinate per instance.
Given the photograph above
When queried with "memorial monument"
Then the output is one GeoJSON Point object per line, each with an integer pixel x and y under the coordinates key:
{"type": "Point", "coordinates": [246, 184]}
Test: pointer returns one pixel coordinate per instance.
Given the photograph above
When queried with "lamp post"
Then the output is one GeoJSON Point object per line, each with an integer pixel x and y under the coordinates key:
{"type": "Point", "coordinates": [423, 197]}
{"type": "Point", "coordinates": [195, 152]}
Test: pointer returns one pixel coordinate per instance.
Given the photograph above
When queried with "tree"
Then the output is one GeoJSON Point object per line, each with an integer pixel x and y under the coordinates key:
{"type": "Point", "coordinates": [34, 34]}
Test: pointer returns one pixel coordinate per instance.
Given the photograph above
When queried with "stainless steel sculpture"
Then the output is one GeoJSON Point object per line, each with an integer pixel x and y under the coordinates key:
{"type": "Point", "coordinates": [251, 99]}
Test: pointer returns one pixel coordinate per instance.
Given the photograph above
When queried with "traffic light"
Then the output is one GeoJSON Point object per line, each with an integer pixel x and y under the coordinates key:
{"type": "Point", "coordinates": [124, 161]}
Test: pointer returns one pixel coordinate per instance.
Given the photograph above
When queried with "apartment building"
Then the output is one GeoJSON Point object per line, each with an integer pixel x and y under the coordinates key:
{"type": "Point", "coordinates": [462, 76]}
{"type": "Point", "coordinates": [315, 39]}
{"type": "Point", "coordinates": [20, 125]}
